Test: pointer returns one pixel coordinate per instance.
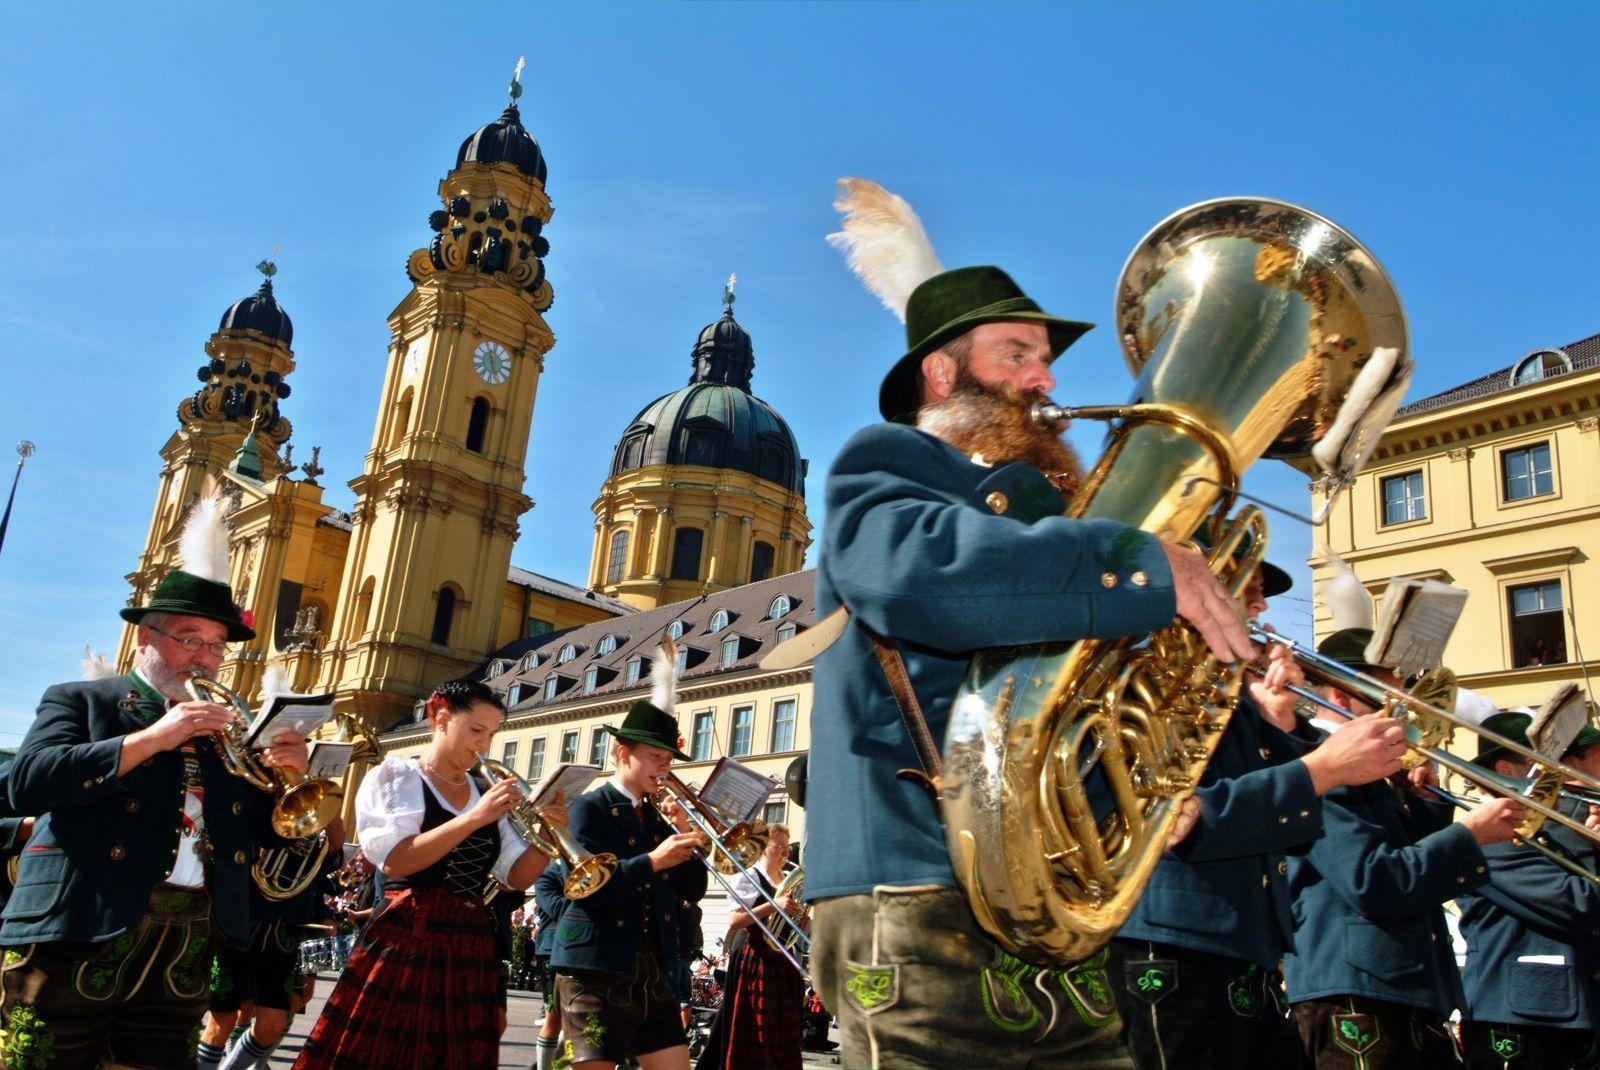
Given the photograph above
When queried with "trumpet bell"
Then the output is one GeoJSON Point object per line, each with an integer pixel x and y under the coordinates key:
{"type": "Point", "coordinates": [306, 808]}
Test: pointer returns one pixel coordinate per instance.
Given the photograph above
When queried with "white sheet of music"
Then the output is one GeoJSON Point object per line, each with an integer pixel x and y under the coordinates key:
{"type": "Point", "coordinates": [1417, 621]}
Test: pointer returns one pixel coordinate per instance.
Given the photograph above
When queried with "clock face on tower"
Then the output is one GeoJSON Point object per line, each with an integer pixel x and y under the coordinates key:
{"type": "Point", "coordinates": [492, 362]}
{"type": "Point", "coordinates": [413, 362]}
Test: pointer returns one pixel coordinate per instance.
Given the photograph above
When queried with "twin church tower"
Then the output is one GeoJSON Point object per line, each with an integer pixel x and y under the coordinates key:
{"type": "Point", "coordinates": [415, 584]}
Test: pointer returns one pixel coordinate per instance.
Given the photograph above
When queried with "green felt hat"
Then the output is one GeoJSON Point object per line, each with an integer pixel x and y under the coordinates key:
{"type": "Point", "coordinates": [1274, 581]}
{"type": "Point", "coordinates": [1348, 647]}
{"type": "Point", "coordinates": [646, 723]}
{"type": "Point", "coordinates": [1514, 726]}
{"type": "Point", "coordinates": [949, 305]}
{"type": "Point", "coordinates": [184, 594]}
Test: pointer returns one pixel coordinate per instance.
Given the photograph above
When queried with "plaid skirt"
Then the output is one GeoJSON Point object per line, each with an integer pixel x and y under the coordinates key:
{"type": "Point", "coordinates": [765, 1009]}
{"type": "Point", "coordinates": [423, 990]}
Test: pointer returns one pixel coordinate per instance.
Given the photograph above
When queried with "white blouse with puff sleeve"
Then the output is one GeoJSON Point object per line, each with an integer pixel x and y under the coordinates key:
{"type": "Point", "coordinates": [389, 808]}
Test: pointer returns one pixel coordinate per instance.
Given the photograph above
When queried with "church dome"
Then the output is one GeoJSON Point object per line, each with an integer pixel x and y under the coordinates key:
{"type": "Point", "coordinates": [260, 312]}
{"type": "Point", "coordinates": [505, 141]}
{"type": "Point", "coordinates": [715, 421]}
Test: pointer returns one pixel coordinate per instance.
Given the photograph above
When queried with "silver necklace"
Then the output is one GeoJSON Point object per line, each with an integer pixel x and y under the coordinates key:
{"type": "Point", "coordinates": [434, 772]}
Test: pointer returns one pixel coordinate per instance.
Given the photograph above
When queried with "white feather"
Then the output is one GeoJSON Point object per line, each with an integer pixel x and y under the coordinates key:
{"type": "Point", "coordinates": [96, 666]}
{"type": "Point", "coordinates": [664, 677]}
{"type": "Point", "coordinates": [274, 681]}
{"type": "Point", "coordinates": [203, 546]}
{"type": "Point", "coordinates": [1345, 596]}
{"type": "Point", "coordinates": [883, 242]}
{"type": "Point", "coordinates": [1474, 708]}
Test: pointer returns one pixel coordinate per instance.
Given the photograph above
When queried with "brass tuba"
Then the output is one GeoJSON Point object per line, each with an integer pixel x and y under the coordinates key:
{"type": "Point", "coordinates": [304, 805]}
{"type": "Point", "coordinates": [1248, 323]}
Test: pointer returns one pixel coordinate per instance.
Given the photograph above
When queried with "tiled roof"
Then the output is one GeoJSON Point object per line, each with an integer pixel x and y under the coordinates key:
{"type": "Point", "coordinates": [336, 519]}
{"type": "Point", "coordinates": [546, 585]}
{"type": "Point", "coordinates": [638, 635]}
{"type": "Point", "coordinates": [1583, 354]}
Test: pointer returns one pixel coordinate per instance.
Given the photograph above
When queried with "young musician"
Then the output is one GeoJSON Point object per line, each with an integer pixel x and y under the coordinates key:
{"type": "Point", "coordinates": [613, 949]}
{"type": "Point", "coordinates": [424, 989]}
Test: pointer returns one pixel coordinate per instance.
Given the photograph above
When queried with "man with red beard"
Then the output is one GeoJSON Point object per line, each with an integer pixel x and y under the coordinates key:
{"type": "Point", "coordinates": [945, 535]}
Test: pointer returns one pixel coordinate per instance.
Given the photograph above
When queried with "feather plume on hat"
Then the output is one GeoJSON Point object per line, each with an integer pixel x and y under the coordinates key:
{"type": "Point", "coordinates": [884, 243]}
{"type": "Point", "coordinates": [96, 666]}
{"type": "Point", "coordinates": [664, 677]}
{"type": "Point", "coordinates": [1344, 594]}
{"type": "Point", "coordinates": [274, 681]}
{"type": "Point", "coordinates": [203, 546]}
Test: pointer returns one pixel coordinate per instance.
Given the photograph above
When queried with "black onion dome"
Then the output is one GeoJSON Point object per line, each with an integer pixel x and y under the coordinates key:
{"type": "Point", "coordinates": [260, 312]}
{"type": "Point", "coordinates": [505, 141]}
{"type": "Point", "coordinates": [723, 354]}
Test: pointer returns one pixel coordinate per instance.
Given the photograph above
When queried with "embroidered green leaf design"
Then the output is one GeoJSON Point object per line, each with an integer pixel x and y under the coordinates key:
{"type": "Point", "coordinates": [1151, 981]}
{"type": "Point", "coordinates": [27, 1042]}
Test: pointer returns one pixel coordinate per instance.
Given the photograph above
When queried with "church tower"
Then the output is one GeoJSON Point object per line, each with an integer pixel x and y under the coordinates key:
{"type": "Point", "coordinates": [707, 485]}
{"type": "Point", "coordinates": [440, 495]}
{"type": "Point", "coordinates": [233, 414]}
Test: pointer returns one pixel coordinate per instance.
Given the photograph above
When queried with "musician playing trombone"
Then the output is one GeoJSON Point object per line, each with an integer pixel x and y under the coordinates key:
{"type": "Point", "coordinates": [1532, 974]}
{"type": "Point", "coordinates": [143, 842]}
{"type": "Point", "coordinates": [613, 949]}
{"type": "Point", "coordinates": [1372, 980]}
{"type": "Point", "coordinates": [946, 535]}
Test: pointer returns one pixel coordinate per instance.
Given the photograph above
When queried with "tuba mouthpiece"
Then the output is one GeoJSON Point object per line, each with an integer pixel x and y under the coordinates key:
{"type": "Point", "coordinates": [1050, 416]}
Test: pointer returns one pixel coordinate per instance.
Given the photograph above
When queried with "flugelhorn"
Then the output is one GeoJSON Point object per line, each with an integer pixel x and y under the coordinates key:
{"type": "Point", "coordinates": [587, 872]}
{"type": "Point", "coordinates": [304, 804]}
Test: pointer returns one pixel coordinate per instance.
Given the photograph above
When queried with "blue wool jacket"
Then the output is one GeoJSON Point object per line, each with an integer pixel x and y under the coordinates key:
{"type": "Point", "coordinates": [1225, 889]}
{"type": "Point", "coordinates": [947, 557]}
{"type": "Point", "coordinates": [102, 842]}
{"type": "Point", "coordinates": [603, 932]}
{"type": "Point", "coordinates": [549, 895]}
{"type": "Point", "coordinates": [1533, 938]}
{"type": "Point", "coordinates": [1368, 900]}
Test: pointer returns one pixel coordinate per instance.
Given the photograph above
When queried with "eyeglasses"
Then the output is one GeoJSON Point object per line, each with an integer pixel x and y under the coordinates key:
{"type": "Point", "coordinates": [193, 645]}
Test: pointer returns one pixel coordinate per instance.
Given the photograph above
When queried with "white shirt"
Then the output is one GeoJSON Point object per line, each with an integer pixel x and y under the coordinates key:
{"type": "Point", "coordinates": [389, 808]}
{"type": "Point", "coordinates": [187, 869]}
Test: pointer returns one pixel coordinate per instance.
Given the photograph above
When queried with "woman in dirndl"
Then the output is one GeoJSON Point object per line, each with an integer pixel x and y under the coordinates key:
{"type": "Point", "coordinates": [424, 988]}
{"type": "Point", "coordinates": [761, 1021]}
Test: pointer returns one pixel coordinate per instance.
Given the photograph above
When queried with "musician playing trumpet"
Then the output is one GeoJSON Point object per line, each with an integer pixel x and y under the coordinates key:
{"type": "Point", "coordinates": [424, 987]}
{"type": "Point", "coordinates": [143, 842]}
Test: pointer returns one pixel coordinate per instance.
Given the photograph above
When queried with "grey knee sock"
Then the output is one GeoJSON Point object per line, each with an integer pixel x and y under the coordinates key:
{"type": "Point", "coordinates": [546, 1047]}
{"type": "Point", "coordinates": [245, 1054]}
{"type": "Point", "coordinates": [207, 1056]}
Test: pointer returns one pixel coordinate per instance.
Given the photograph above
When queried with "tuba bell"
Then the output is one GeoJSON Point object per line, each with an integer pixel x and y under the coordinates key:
{"type": "Point", "coordinates": [1248, 324]}
{"type": "Point", "coordinates": [304, 805]}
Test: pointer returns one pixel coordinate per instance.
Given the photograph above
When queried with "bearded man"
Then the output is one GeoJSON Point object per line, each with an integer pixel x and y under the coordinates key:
{"type": "Point", "coordinates": [945, 535]}
{"type": "Point", "coordinates": [140, 851]}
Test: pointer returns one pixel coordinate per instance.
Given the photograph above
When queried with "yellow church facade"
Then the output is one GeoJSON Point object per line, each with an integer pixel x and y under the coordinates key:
{"type": "Point", "coordinates": [1493, 487]}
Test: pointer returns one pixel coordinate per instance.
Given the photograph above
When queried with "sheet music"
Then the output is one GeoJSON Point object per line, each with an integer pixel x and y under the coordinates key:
{"type": "Point", "coordinates": [735, 791]}
{"type": "Point", "coordinates": [1417, 621]}
{"type": "Point", "coordinates": [300, 714]}
{"type": "Point", "coordinates": [569, 778]}
{"type": "Point", "coordinates": [329, 759]}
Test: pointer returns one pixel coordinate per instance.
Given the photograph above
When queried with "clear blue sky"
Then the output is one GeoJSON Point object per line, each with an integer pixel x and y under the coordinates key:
{"type": "Point", "coordinates": [153, 153]}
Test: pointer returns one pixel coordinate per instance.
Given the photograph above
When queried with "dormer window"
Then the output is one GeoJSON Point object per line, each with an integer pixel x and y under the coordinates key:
{"type": "Point", "coordinates": [1544, 364]}
{"type": "Point", "coordinates": [568, 652]}
{"type": "Point", "coordinates": [590, 675]}
{"type": "Point", "coordinates": [675, 630]}
{"type": "Point", "coordinates": [635, 667]}
{"type": "Point", "coordinates": [529, 661]}
{"type": "Point", "coordinates": [780, 606]}
{"type": "Point", "coordinates": [497, 667]}
{"type": "Point", "coordinates": [607, 644]}
{"type": "Point", "coordinates": [550, 686]}
{"type": "Point", "coordinates": [719, 621]}
{"type": "Point", "coordinates": [786, 631]}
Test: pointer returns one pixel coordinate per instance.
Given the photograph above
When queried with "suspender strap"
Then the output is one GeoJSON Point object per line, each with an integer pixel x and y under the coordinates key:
{"type": "Point", "coordinates": [930, 776]}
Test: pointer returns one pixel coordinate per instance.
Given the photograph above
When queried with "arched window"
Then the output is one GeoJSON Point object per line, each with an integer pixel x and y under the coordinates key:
{"type": "Point", "coordinates": [675, 630]}
{"type": "Point", "coordinates": [364, 606]}
{"type": "Point", "coordinates": [719, 621]}
{"type": "Point", "coordinates": [761, 561]}
{"type": "Point", "coordinates": [444, 612]}
{"type": "Point", "coordinates": [780, 606]}
{"type": "Point", "coordinates": [400, 421]}
{"type": "Point", "coordinates": [617, 563]}
{"type": "Point", "coordinates": [568, 652]}
{"type": "Point", "coordinates": [530, 660]}
{"type": "Point", "coordinates": [686, 554]}
{"type": "Point", "coordinates": [478, 424]}
{"type": "Point", "coordinates": [607, 644]}
{"type": "Point", "coordinates": [1540, 365]}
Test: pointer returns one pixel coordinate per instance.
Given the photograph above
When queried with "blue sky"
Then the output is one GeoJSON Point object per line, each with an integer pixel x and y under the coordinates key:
{"type": "Point", "coordinates": [154, 153]}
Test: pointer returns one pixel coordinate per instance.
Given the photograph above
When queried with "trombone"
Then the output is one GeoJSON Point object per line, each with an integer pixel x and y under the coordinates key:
{"type": "Point", "coordinates": [303, 805]}
{"type": "Point", "coordinates": [587, 873]}
{"type": "Point", "coordinates": [725, 850]}
{"type": "Point", "coordinates": [1547, 789]}
{"type": "Point", "coordinates": [1378, 694]}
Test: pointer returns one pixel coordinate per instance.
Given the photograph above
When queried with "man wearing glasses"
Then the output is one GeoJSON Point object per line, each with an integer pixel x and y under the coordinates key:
{"type": "Point", "coordinates": [142, 845]}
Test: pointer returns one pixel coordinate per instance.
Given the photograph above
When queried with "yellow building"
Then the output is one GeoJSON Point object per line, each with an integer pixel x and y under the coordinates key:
{"type": "Point", "coordinates": [563, 690]}
{"type": "Point", "coordinates": [707, 486]}
{"type": "Point", "coordinates": [414, 585]}
{"type": "Point", "coordinates": [1494, 487]}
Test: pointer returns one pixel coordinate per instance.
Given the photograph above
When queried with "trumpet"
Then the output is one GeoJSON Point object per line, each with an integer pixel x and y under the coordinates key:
{"type": "Point", "coordinates": [1418, 712]}
{"type": "Point", "coordinates": [587, 873]}
{"type": "Point", "coordinates": [304, 805]}
{"type": "Point", "coordinates": [741, 843]}
{"type": "Point", "coordinates": [725, 850]}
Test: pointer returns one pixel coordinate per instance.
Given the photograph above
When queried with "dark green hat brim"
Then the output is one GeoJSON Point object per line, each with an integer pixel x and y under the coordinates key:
{"type": "Point", "coordinates": [1349, 648]}
{"type": "Point", "coordinates": [1274, 581]}
{"type": "Point", "coordinates": [185, 595]}
{"type": "Point", "coordinates": [949, 305]}
{"type": "Point", "coordinates": [650, 725]}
